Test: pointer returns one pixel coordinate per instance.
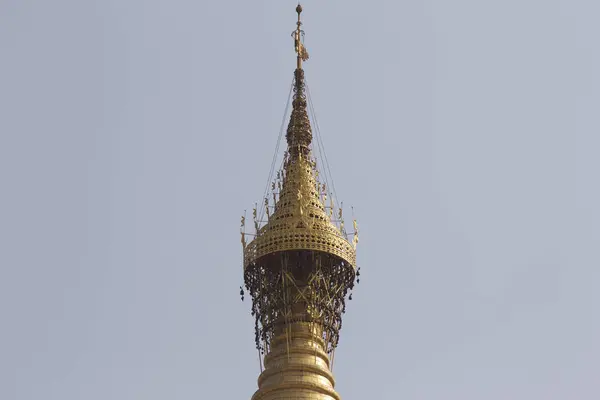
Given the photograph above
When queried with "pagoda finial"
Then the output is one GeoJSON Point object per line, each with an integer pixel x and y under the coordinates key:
{"type": "Point", "coordinates": [298, 35]}
{"type": "Point", "coordinates": [299, 267]}
{"type": "Point", "coordinates": [299, 133]}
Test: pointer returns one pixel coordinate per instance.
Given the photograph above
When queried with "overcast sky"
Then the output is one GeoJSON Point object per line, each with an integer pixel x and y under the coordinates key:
{"type": "Point", "coordinates": [465, 133]}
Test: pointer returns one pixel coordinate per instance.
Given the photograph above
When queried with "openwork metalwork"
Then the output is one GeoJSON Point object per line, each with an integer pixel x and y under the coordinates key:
{"type": "Point", "coordinates": [315, 283]}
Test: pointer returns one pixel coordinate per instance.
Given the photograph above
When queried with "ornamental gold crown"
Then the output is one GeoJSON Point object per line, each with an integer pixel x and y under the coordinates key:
{"type": "Point", "coordinates": [300, 212]}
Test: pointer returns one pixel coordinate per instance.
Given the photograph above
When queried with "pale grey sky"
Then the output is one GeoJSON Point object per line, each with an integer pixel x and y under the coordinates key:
{"type": "Point", "coordinates": [134, 133]}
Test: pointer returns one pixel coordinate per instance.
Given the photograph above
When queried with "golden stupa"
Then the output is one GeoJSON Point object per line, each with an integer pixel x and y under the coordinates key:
{"type": "Point", "coordinates": [300, 267]}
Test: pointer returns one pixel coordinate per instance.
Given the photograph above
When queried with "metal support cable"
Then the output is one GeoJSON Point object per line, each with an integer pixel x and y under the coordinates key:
{"type": "Point", "coordinates": [321, 145]}
{"type": "Point", "coordinates": [266, 192]}
{"type": "Point", "coordinates": [320, 149]}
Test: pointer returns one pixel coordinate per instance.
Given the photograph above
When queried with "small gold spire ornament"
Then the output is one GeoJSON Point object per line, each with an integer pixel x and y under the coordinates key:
{"type": "Point", "coordinates": [355, 238]}
{"type": "Point", "coordinates": [242, 230]}
{"type": "Point", "coordinates": [267, 207]}
{"type": "Point", "coordinates": [298, 35]}
{"type": "Point", "coordinates": [331, 206]}
{"type": "Point", "coordinates": [255, 217]}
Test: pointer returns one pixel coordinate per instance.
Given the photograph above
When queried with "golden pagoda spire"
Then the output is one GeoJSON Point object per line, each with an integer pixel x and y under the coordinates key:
{"type": "Point", "coordinates": [299, 269]}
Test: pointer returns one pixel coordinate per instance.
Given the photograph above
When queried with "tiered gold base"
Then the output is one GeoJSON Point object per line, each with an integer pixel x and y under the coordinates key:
{"type": "Point", "coordinates": [297, 367]}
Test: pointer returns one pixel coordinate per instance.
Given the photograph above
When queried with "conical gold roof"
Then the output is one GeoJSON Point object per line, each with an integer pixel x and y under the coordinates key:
{"type": "Point", "coordinates": [300, 219]}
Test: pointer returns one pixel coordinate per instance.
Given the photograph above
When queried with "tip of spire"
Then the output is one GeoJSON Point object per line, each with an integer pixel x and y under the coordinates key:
{"type": "Point", "coordinates": [298, 35]}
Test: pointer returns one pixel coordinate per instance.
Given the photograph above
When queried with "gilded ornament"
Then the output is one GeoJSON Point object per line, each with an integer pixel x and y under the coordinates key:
{"type": "Point", "coordinates": [299, 269]}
